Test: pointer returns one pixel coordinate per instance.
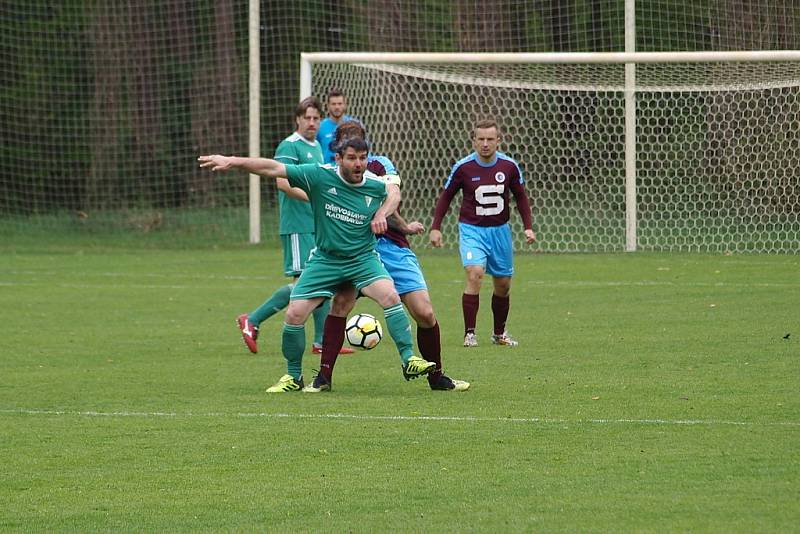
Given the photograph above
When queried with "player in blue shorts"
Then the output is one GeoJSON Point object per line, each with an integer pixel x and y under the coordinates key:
{"type": "Point", "coordinates": [402, 265]}
{"type": "Point", "coordinates": [487, 178]}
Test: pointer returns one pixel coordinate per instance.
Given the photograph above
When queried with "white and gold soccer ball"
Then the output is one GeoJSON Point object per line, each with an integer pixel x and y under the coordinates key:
{"type": "Point", "coordinates": [363, 331]}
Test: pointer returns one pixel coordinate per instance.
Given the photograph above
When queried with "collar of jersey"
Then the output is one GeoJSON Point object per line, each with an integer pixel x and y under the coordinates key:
{"type": "Point", "coordinates": [477, 160]}
{"type": "Point", "coordinates": [298, 137]}
{"type": "Point", "coordinates": [359, 184]}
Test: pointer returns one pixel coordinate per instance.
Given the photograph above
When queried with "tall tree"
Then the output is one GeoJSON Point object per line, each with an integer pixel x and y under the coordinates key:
{"type": "Point", "coordinates": [145, 50]}
{"type": "Point", "coordinates": [749, 25]}
{"type": "Point", "coordinates": [559, 17]}
{"type": "Point", "coordinates": [392, 26]}
{"type": "Point", "coordinates": [490, 26]}
{"type": "Point", "coordinates": [107, 55]}
{"type": "Point", "coordinates": [181, 35]}
{"type": "Point", "coordinates": [220, 107]}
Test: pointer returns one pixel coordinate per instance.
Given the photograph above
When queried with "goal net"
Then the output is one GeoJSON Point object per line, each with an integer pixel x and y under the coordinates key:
{"type": "Point", "coordinates": [717, 144]}
{"type": "Point", "coordinates": [105, 106]}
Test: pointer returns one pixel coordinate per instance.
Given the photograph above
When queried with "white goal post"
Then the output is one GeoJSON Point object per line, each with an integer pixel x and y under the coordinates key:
{"type": "Point", "coordinates": [694, 140]}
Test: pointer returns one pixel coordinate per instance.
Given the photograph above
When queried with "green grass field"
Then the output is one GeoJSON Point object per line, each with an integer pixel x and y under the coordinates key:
{"type": "Point", "coordinates": [649, 393]}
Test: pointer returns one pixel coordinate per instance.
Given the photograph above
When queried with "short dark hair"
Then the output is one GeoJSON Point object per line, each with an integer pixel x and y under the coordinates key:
{"type": "Point", "coordinates": [308, 102]}
{"type": "Point", "coordinates": [346, 130]}
{"type": "Point", "coordinates": [351, 128]}
{"type": "Point", "coordinates": [356, 143]}
{"type": "Point", "coordinates": [334, 92]}
{"type": "Point", "coordinates": [485, 124]}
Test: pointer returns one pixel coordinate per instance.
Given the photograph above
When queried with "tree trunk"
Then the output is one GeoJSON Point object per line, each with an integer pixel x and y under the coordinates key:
{"type": "Point", "coordinates": [218, 111]}
{"type": "Point", "coordinates": [146, 165]}
{"type": "Point", "coordinates": [490, 26]}
{"type": "Point", "coordinates": [391, 26]}
{"type": "Point", "coordinates": [107, 54]}
{"type": "Point", "coordinates": [559, 16]}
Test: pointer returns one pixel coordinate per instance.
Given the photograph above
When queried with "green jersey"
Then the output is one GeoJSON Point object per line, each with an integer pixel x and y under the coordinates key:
{"type": "Point", "coordinates": [296, 216]}
{"type": "Point", "coordinates": [342, 211]}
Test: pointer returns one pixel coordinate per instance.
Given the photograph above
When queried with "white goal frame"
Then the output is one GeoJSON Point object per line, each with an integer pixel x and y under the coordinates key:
{"type": "Point", "coordinates": [629, 59]}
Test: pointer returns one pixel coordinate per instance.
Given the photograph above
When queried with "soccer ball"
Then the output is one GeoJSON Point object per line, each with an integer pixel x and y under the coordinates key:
{"type": "Point", "coordinates": [363, 331]}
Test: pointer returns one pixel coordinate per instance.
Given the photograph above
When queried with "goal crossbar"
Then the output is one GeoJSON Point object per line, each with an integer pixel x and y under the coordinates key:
{"type": "Point", "coordinates": [550, 58]}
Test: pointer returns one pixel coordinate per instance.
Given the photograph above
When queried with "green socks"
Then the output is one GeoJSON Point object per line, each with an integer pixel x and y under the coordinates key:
{"type": "Point", "coordinates": [400, 330]}
{"type": "Point", "coordinates": [278, 301]}
{"type": "Point", "coordinates": [293, 344]}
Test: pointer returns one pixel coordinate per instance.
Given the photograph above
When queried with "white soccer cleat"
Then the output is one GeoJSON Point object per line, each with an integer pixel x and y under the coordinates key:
{"type": "Point", "coordinates": [504, 339]}
{"type": "Point", "coordinates": [470, 340]}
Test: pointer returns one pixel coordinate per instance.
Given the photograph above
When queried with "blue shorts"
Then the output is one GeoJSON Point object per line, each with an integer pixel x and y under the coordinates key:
{"type": "Point", "coordinates": [402, 265]}
{"type": "Point", "coordinates": [488, 246]}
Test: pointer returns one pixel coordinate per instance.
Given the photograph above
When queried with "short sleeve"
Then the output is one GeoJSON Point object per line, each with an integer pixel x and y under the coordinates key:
{"type": "Point", "coordinates": [286, 154]}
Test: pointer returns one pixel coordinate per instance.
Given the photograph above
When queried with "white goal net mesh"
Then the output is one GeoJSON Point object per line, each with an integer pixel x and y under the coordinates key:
{"type": "Point", "coordinates": [718, 146]}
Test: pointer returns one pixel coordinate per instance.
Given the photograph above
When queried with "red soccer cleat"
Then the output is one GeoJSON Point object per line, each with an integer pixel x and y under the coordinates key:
{"type": "Point", "coordinates": [249, 332]}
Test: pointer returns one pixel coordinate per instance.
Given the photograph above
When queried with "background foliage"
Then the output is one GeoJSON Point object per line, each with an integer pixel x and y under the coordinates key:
{"type": "Point", "coordinates": [105, 105]}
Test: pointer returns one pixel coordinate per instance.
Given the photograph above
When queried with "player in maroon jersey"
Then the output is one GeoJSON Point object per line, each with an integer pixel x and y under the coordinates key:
{"type": "Point", "coordinates": [487, 178]}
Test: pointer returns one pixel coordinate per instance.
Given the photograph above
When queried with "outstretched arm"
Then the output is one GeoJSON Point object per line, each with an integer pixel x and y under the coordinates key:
{"type": "Point", "coordinates": [261, 166]}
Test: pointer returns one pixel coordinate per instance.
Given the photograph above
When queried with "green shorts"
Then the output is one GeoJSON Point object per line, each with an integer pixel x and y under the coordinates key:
{"type": "Point", "coordinates": [324, 274]}
{"type": "Point", "coordinates": [296, 251]}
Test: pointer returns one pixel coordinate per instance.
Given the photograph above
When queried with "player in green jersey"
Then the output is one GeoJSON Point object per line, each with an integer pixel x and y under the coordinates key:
{"type": "Point", "coordinates": [296, 227]}
{"type": "Point", "coordinates": [402, 265]}
{"type": "Point", "coordinates": [349, 209]}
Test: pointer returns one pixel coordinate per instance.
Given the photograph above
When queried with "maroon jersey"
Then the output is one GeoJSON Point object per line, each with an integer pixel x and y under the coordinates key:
{"type": "Point", "coordinates": [381, 166]}
{"type": "Point", "coordinates": [487, 189]}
